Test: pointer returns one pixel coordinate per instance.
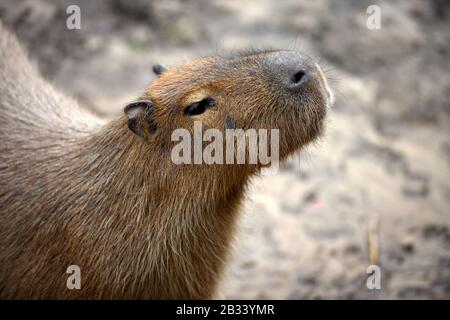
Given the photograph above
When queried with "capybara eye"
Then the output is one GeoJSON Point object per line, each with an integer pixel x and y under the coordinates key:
{"type": "Point", "coordinates": [199, 107]}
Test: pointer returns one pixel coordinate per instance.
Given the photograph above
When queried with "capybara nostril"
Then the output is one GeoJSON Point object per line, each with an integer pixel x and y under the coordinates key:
{"type": "Point", "coordinates": [298, 78]}
{"type": "Point", "coordinates": [289, 69]}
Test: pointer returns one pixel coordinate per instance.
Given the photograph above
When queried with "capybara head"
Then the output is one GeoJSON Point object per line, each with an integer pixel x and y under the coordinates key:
{"type": "Point", "coordinates": [282, 90]}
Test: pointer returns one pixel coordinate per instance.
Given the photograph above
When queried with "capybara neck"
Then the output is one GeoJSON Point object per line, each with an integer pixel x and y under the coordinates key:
{"type": "Point", "coordinates": [168, 223]}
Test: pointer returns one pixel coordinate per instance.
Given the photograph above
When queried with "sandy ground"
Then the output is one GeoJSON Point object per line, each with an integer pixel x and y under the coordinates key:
{"type": "Point", "coordinates": [374, 190]}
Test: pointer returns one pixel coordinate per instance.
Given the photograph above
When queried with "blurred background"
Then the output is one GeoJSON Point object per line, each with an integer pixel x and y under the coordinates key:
{"type": "Point", "coordinates": [375, 190]}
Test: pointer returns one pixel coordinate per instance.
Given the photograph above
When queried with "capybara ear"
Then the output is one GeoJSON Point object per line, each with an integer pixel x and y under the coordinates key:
{"type": "Point", "coordinates": [140, 117]}
{"type": "Point", "coordinates": [159, 69]}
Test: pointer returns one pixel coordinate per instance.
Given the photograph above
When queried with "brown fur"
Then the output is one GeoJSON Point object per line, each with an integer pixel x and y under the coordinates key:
{"type": "Point", "coordinates": [76, 190]}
